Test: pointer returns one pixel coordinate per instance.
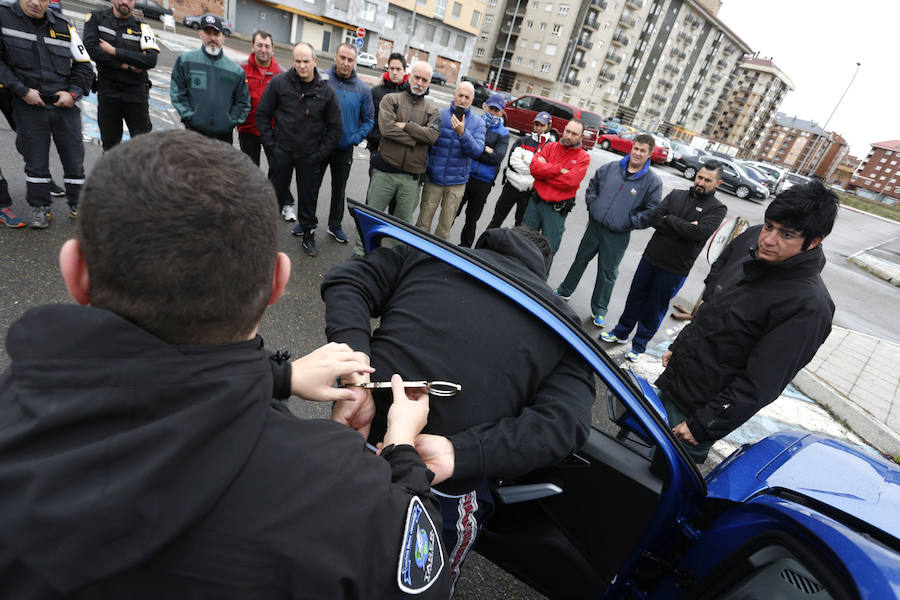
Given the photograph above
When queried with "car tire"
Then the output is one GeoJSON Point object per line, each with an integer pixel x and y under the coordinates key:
{"type": "Point", "coordinates": [195, 26]}
{"type": "Point", "coordinates": [605, 144]}
{"type": "Point", "coordinates": [742, 191]}
{"type": "Point", "coordinates": [689, 172]}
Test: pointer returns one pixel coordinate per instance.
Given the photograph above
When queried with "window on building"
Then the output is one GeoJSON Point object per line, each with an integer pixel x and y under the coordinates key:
{"type": "Point", "coordinates": [488, 19]}
{"type": "Point", "coordinates": [543, 27]}
{"type": "Point", "coordinates": [563, 10]}
{"type": "Point", "coordinates": [537, 46]}
{"type": "Point", "coordinates": [878, 168]}
{"type": "Point", "coordinates": [888, 152]}
{"type": "Point", "coordinates": [492, 3]}
{"type": "Point", "coordinates": [530, 63]}
{"type": "Point", "coordinates": [557, 29]}
{"type": "Point", "coordinates": [440, 9]}
{"type": "Point", "coordinates": [518, 60]}
{"type": "Point", "coordinates": [460, 43]}
{"type": "Point", "coordinates": [883, 160]}
{"type": "Point", "coordinates": [479, 52]}
{"type": "Point", "coordinates": [476, 18]}
{"type": "Point", "coordinates": [445, 37]}
{"type": "Point", "coordinates": [517, 85]}
{"type": "Point", "coordinates": [369, 11]}
{"type": "Point", "coordinates": [523, 43]}
{"type": "Point", "coordinates": [457, 10]}
{"type": "Point", "coordinates": [545, 91]}
{"type": "Point", "coordinates": [391, 21]}
{"type": "Point", "coordinates": [529, 24]}
{"type": "Point", "coordinates": [430, 31]}
{"type": "Point", "coordinates": [545, 67]}
{"type": "Point", "coordinates": [548, 7]}
{"type": "Point", "coordinates": [343, 5]}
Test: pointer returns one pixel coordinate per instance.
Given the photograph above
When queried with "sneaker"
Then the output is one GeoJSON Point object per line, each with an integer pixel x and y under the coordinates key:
{"type": "Point", "coordinates": [73, 212]}
{"type": "Point", "coordinates": [55, 190]}
{"type": "Point", "coordinates": [288, 213]}
{"type": "Point", "coordinates": [297, 230]}
{"type": "Point", "coordinates": [11, 219]}
{"type": "Point", "coordinates": [338, 235]}
{"type": "Point", "coordinates": [611, 339]}
{"type": "Point", "coordinates": [599, 321]}
{"type": "Point", "coordinates": [566, 298]}
{"type": "Point", "coordinates": [40, 217]}
{"type": "Point", "coordinates": [309, 244]}
{"type": "Point", "coordinates": [632, 355]}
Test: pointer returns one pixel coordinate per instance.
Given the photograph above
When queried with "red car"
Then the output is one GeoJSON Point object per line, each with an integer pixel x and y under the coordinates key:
{"type": "Point", "coordinates": [623, 143]}
{"type": "Point", "coordinates": [520, 115]}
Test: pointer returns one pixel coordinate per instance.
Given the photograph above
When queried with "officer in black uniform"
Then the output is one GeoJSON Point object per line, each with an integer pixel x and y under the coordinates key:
{"type": "Point", "coordinates": [45, 65]}
{"type": "Point", "coordinates": [124, 49]}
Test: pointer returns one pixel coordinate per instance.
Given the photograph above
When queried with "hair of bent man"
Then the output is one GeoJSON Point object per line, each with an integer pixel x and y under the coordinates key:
{"type": "Point", "coordinates": [179, 234]}
{"type": "Point", "coordinates": [810, 208]}
{"type": "Point", "coordinates": [540, 242]}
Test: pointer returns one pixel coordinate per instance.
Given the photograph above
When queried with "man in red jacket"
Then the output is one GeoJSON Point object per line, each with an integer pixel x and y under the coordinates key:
{"type": "Point", "coordinates": [558, 170]}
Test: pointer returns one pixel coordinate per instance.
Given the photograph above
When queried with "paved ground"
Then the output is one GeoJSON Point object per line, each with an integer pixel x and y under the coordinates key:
{"type": "Point", "coordinates": [882, 260]}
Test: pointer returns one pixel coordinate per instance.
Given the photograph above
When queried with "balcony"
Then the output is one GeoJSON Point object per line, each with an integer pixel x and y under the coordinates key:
{"type": "Point", "coordinates": [686, 38]}
{"type": "Point", "coordinates": [620, 38]}
{"type": "Point", "coordinates": [574, 82]}
{"type": "Point", "coordinates": [654, 112]}
{"type": "Point", "coordinates": [666, 84]}
{"type": "Point", "coordinates": [659, 98]}
{"type": "Point", "coordinates": [670, 68]}
{"type": "Point", "coordinates": [592, 24]}
{"type": "Point", "coordinates": [703, 104]}
{"type": "Point", "coordinates": [728, 50]}
{"type": "Point", "coordinates": [716, 77]}
{"type": "Point", "coordinates": [628, 21]}
{"type": "Point", "coordinates": [516, 30]}
{"type": "Point", "coordinates": [722, 63]}
{"type": "Point", "coordinates": [584, 43]}
{"type": "Point", "coordinates": [606, 75]}
{"type": "Point", "coordinates": [613, 58]}
{"type": "Point", "coordinates": [635, 4]}
{"type": "Point", "coordinates": [692, 21]}
{"type": "Point", "coordinates": [601, 4]}
{"type": "Point", "coordinates": [579, 64]}
{"type": "Point", "coordinates": [679, 54]}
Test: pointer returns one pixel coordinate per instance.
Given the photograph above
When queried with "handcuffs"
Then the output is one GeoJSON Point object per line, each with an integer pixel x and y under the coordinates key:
{"type": "Point", "coordinates": [440, 389]}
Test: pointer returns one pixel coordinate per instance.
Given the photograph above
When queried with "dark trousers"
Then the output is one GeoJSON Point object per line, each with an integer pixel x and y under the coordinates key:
{"type": "Point", "coordinates": [284, 164]}
{"type": "Point", "coordinates": [5, 200]}
{"type": "Point", "coordinates": [510, 197]}
{"type": "Point", "coordinates": [676, 416]}
{"type": "Point", "coordinates": [473, 199]}
{"type": "Point", "coordinates": [35, 125]}
{"type": "Point", "coordinates": [227, 137]}
{"type": "Point", "coordinates": [647, 303]}
{"type": "Point", "coordinates": [609, 248]}
{"type": "Point", "coordinates": [111, 112]}
{"type": "Point", "coordinates": [251, 145]}
{"type": "Point", "coordinates": [339, 161]}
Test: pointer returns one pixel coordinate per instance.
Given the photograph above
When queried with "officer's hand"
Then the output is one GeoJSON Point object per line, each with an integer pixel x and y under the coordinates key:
{"type": "Point", "coordinates": [313, 375]}
{"type": "Point", "coordinates": [107, 47]}
{"type": "Point", "coordinates": [33, 97]}
{"type": "Point", "coordinates": [683, 433]}
{"type": "Point", "coordinates": [357, 414]}
{"type": "Point", "coordinates": [407, 415]}
{"type": "Point", "coordinates": [437, 453]}
{"type": "Point", "coordinates": [66, 100]}
{"type": "Point", "coordinates": [665, 358]}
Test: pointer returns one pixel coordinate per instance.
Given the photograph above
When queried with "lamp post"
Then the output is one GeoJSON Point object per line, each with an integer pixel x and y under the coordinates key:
{"type": "Point", "coordinates": [825, 126]}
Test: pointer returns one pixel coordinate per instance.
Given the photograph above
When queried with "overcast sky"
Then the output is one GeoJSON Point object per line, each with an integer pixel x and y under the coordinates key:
{"type": "Point", "coordinates": [817, 44]}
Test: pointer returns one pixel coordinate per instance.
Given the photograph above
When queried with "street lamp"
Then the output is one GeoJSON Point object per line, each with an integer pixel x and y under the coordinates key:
{"type": "Point", "coordinates": [825, 126]}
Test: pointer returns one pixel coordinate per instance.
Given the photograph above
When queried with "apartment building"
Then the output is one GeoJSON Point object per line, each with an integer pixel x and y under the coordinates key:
{"type": "Point", "coordinates": [877, 175]}
{"type": "Point", "coordinates": [844, 171]}
{"type": "Point", "coordinates": [801, 146]}
{"type": "Point", "coordinates": [748, 105]}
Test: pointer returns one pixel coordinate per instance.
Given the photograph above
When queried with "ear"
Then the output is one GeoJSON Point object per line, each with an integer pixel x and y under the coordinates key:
{"type": "Point", "coordinates": [815, 242]}
{"type": "Point", "coordinates": [280, 277]}
{"type": "Point", "coordinates": [74, 272]}
{"type": "Point", "coordinates": [718, 183]}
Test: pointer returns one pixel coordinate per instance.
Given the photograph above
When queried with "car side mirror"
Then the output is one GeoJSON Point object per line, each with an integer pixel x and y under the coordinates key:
{"type": "Point", "coordinates": [620, 414]}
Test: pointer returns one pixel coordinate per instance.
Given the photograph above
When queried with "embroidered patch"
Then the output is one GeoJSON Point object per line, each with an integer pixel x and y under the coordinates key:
{"type": "Point", "coordinates": [421, 559]}
{"type": "Point", "coordinates": [633, 192]}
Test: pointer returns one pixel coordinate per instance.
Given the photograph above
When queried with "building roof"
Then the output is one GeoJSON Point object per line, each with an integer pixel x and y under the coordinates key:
{"type": "Point", "coordinates": [782, 119]}
{"type": "Point", "coordinates": [742, 45]}
{"type": "Point", "coordinates": [888, 145]}
{"type": "Point", "coordinates": [766, 65]}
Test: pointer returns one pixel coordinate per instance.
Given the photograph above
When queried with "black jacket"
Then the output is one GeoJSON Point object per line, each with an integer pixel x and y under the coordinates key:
{"type": "Point", "coordinates": [127, 36]}
{"type": "Point", "coordinates": [40, 56]}
{"type": "Point", "coordinates": [526, 395]}
{"type": "Point", "coordinates": [761, 323]}
{"type": "Point", "coordinates": [130, 468]}
{"type": "Point", "coordinates": [676, 242]}
{"type": "Point", "coordinates": [378, 92]}
{"type": "Point", "coordinates": [299, 117]}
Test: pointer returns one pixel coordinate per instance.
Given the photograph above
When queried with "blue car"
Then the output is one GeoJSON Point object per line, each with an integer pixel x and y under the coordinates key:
{"type": "Point", "coordinates": [795, 515]}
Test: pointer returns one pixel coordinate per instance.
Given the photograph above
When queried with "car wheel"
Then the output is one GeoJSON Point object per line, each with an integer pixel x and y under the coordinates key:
{"type": "Point", "coordinates": [742, 191]}
{"type": "Point", "coordinates": [605, 144]}
{"type": "Point", "coordinates": [195, 25]}
{"type": "Point", "coordinates": [690, 172]}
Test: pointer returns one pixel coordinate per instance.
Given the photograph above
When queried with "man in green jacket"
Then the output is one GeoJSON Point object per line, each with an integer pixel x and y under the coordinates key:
{"type": "Point", "coordinates": [209, 90]}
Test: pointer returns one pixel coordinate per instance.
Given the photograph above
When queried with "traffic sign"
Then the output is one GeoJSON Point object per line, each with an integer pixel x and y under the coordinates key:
{"type": "Point", "coordinates": [360, 32]}
{"type": "Point", "coordinates": [358, 42]}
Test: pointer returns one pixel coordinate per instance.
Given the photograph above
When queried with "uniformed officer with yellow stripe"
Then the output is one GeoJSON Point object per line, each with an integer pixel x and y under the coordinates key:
{"type": "Point", "coordinates": [45, 65]}
{"type": "Point", "coordinates": [124, 49]}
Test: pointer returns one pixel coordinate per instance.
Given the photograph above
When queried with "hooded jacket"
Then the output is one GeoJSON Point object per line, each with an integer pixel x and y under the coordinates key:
{"type": "Point", "coordinates": [257, 79]}
{"type": "Point", "coordinates": [450, 158]}
{"type": "Point", "coordinates": [209, 92]}
{"type": "Point", "coordinates": [357, 110]}
{"type": "Point", "coordinates": [526, 395]}
{"type": "Point", "coordinates": [550, 183]}
{"type": "Point", "coordinates": [622, 201]}
{"type": "Point", "coordinates": [378, 93]}
{"type": "Point", "coordinates": [131, 468]}
{"type": "Point", "coordinates": [761, 322]}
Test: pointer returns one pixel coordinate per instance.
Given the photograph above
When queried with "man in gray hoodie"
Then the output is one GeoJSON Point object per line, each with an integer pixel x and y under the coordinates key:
{"type": "Point", "coordinates": [621, 196]}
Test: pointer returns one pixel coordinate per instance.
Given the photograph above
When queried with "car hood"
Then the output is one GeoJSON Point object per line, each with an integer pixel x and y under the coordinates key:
{"type": "Point", "coordinates": [824, 469]}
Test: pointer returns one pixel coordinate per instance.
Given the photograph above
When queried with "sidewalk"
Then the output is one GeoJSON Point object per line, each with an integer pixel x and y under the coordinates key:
{"type": "Point", "coordinates": [856, 377]}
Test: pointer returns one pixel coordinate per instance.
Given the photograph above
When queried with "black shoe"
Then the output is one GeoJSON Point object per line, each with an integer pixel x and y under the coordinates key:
{"type": "Point", "coordinates": [309, 244]}
{"type": "Point", "coordinates": [55, 190]}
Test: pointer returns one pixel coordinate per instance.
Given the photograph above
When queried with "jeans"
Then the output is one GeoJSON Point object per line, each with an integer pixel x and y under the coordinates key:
{"type": "Point", "coordinates": [647, 303]}
{"type": "Point", "coordinates": [609, 248]}
{"type": "Point", "coordinates": [111, 112]}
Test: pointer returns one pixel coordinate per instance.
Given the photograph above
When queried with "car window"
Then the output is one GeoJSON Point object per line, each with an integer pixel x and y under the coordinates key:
{"type": "Point", "coordinates": [794, 178]}
{"type": "Point", "coordinates": [590, 120]}
{"type": "Point", "coordinates": [554, 109]}
{"type": "Point", "coordinates": [729, 170]}
{"type": "Point", "coordinates": [525, 102]}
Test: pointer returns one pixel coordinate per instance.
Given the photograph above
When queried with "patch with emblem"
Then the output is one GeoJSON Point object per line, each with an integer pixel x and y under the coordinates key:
{"type": "Point", "coordinates": [699, 209]}
{"type": "Point", "coordinates": [634, 192]}
{"type": "Point", "coordinates": [421, 559]}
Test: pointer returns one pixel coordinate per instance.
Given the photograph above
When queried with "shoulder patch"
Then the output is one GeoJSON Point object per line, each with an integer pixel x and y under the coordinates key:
{"type": "Point", "coordinates": [421, 559]}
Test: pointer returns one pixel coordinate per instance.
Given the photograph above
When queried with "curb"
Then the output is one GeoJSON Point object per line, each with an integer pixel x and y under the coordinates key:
{"type": "Point", "coordinates": [873, 432]}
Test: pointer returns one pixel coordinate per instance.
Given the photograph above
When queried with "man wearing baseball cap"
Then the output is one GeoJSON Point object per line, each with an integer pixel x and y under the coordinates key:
{"type": "Point", "coordinates": [517, 179]}
{"type": "Point", "coordinates": [208, 89]}
{"type": "Point", "coordinates": [484, 168]}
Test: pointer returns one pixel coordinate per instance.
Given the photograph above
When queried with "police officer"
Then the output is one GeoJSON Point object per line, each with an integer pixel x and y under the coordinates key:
{"type": "Point", "coordinates": [45, 65]}
{"type": "Point", "coordinates": [124, 49]}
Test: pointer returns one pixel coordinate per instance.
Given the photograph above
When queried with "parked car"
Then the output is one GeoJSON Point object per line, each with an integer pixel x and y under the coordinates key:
{"type": "Point", "coordinates": [614, 126]}
{"type": "Point", "coordinates": [151, 9]}
{"type": "Point", "coordinates": [775, 173]}
{"type": "Point", "coordinates": [193, 21]}
{"type": "Point", "coordinates": [438, 78]}
{"type": "Point", "coordinates": [364, 59]}
{"type": "Point", "coordinates": [520, 115]}
{"type": "Point", "coordinates": [623, 143]}
{"type": "Point", "coordinates": [734, 179]}
{"type": "Point", "coordinates": [792, 179]}
{"type": "Point", "coordinates": [665, 143]}
{"type": "Point", "coordinates": [759, 176]}
{"type": "Point", "coordinates": [628, 515]}
{"type": "Point", "coordinates": [687, 156]}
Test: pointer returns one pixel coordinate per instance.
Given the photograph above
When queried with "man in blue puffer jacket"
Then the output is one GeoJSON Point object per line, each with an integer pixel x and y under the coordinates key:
{"type": "Point", "coordinates": [449, 162]}
{"type": "Point", "coordinates": [485, 167]}
{"type": "Point", "coordinates": [358, 118]}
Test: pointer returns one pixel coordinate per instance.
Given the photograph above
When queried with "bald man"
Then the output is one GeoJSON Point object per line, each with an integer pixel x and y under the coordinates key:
{"type": "Point", "coordinates": [449, 161]}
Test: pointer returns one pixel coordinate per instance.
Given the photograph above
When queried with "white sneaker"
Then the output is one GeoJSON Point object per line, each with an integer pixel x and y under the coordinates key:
{"type": "Point", "coordinates": [289, 214]}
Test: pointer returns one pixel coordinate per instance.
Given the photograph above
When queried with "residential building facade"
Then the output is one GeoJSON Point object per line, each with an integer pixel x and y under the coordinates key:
{"type": "Point", "coordinates": [801, 146]}
{"type": "Point", "coordinates": [877, 175]}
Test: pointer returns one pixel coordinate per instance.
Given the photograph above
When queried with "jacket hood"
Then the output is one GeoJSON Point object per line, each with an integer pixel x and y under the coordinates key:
{"type": "Point", "coordinates": [113, 442]}
{"type": "Point", "coordinates": [386, 81]}
{"type": "Point", "coordinates": [623, 164]}
{"type": "Point", "coordinates": [273, 65]}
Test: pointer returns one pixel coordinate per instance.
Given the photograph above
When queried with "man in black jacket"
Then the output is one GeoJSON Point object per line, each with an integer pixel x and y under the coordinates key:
{"type": "Point", "coordinates": [683, 222]}
{"type": "Point", "coordinates": [526, 395]}
{"type": "Point", "coordinates": [393, 81]}
{"type": "Point", "coordinates": [154, 461]}
{"type": "Point", "coordinates": [124, 48]}
{"type": "Point", "coordinates": [765, 314]}
{"type": "Point", "coordinates": [299, 120]}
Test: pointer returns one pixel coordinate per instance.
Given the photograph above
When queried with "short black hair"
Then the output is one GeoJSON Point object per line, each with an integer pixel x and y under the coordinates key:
{"type": "Point", "coordinates": [261, 33]}
{"type": "Point", "coordinates": [646, 139]}
{"type": "Point", "coordinates": [179, 233]}
{"type": "Point", "coordinates": [396, 56]}
{"type": "Point", "coordinates": [579, 122]}
{"type": "Point", "coordinates": [713, 165]}
{"type": "Point", "coordinates": [810, 208]}
{"type": "Point", "coordinates": [538, 239]}
{"type": "Point", "coordinates": [346, 45]}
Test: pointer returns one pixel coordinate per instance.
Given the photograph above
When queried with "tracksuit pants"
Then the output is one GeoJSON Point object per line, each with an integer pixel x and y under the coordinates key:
{"type": "Point", "coordinates": [647, 303]}
{"type": "Point", "coordinates": [473, 200]}
{"type": "Point", "coordinates": [609, 248]}
{"type": "Point", "coordinates": [34, 127]}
